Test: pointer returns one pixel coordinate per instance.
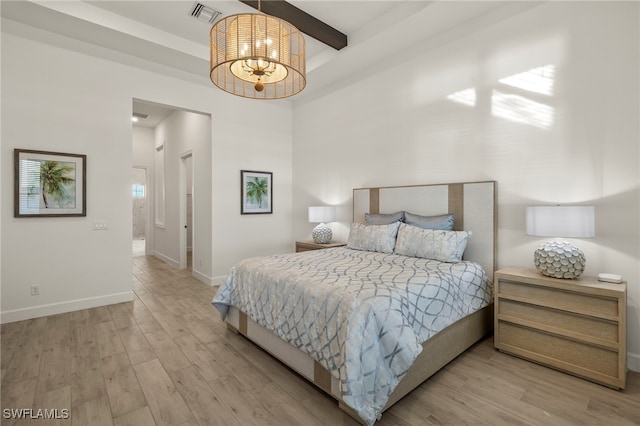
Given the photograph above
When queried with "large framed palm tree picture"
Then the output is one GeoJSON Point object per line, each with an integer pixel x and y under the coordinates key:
{"type": "Point", "coordinates": [49, 184]}
{"type": "Point", "coordinates": [257, 194]}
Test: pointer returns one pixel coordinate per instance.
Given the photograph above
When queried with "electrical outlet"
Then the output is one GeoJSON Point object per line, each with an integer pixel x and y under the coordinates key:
{"type": "Point", "coordinates": [35, 290]}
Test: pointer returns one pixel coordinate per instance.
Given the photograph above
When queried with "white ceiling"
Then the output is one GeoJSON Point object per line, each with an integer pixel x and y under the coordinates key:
{"type": "Point", "coordinates": [160, 35]}
{"type": "Point", "coordinates": [155, 112]}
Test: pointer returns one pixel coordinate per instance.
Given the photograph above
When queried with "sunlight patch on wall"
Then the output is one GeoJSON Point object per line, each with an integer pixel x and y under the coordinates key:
{"type": "Point", "coordinates": [521, 110]}
{"type": "Point", "coordinates": [514, 101]}
{"type": "Point", "coordinates": [536, 80]}
{"type": "Point", "coordinates": [465, 97]}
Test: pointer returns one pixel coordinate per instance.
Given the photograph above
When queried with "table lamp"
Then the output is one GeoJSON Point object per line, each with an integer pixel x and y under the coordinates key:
{"type": "Point", "coordinates": [320, 214]}
{"type": "Point", "coordinates": [560, 259]}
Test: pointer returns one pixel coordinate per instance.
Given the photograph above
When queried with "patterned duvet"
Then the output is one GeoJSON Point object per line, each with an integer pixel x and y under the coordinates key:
{"type": "Point", "coordinates": [362, 315]}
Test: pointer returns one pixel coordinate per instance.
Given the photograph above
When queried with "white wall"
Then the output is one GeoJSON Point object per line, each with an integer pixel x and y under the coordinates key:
{"type": "Point", "coordinates": [68, 108]}
{"type": "Point", "coordinates": [436, 117]}
{"type": "Point", "coordinates": [142, 146]}
{"type": "Point", "coordinates": [58, 99]}
{"type": "Point", "coordinates": [243, 140]}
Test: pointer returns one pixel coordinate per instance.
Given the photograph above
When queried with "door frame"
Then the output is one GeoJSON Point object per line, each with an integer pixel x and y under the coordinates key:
{"type": "Point", "coordinates": [182, 202]}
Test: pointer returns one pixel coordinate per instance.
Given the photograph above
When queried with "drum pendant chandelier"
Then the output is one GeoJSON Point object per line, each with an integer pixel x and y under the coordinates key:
{"type": "Point", "coordinates": [257, 56]}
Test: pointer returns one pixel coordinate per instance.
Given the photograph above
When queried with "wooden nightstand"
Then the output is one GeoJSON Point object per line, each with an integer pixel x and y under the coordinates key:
{"type": "Point", "coordinates": [577, 326]}
{"type": "Point", "coordinates": [310, 245]}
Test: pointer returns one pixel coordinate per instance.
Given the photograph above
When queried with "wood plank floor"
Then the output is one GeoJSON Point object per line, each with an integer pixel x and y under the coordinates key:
{"type": "Point", "coordinates": [167, 359]}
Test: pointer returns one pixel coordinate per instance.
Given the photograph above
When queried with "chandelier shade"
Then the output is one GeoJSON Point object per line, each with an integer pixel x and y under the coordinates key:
{"type": "Point", "coordinates": [257, 56]}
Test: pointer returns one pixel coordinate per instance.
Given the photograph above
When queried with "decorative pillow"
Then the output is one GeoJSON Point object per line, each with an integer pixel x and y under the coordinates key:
{"type": "Point", "coordinates": [445, 246]}
{"type": "Point", "coordinates": [383, 219]}
{"type": "Point", "coordinates": [444, 222]}
{"type": "Point", "coordinates": [380, 238]}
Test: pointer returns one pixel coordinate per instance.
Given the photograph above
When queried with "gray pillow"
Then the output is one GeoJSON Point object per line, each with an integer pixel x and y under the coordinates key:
{"type": "Point", "coordinates": [383, 218]}
{"type": "Point", "coordinates": [445, 246]}
{"type": "Point", "coordinates": [443, 222]}
{"type": "Point", "coordinates": [380, 238]}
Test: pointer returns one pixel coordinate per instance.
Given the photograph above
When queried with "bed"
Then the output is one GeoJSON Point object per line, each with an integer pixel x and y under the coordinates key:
{"type": "Point", "coordinates": [369, 322]}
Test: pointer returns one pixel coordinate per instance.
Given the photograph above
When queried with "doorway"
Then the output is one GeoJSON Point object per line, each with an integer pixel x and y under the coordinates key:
{"type": "Point", "coordinates": [176, 146]}
{"type": "Point", "coordinates": [186, 210]}
{"type": "Point", "coordinates": [139, 211]}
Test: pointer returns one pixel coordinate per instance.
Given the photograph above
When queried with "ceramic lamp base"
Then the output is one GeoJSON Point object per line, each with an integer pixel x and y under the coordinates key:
{"type": "Point", "coordinates": [559, 260]}
{"type": "Point", "coordinates": [322, 234]}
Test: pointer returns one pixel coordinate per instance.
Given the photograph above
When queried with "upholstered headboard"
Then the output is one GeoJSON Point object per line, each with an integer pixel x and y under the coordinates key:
{"type": "Point", "coordinates": [472, 203]}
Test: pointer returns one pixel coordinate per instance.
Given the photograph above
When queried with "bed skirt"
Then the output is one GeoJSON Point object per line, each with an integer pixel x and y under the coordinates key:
{"type": "Point", "coordinates": [437, 352]}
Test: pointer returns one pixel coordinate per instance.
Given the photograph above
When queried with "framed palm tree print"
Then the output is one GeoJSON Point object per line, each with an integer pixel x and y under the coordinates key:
{"type": "Point", "coordinates": [257, 194]}
{"type": "Point", "coordinates": [49, 184]}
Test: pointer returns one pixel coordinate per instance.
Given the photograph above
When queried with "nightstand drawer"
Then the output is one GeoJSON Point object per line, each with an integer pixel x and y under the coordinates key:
{"type": "Point", "coordinates": [565, 322]}
{"type": "Point", "coordinates": [562, 299]}
{"type": "Point", "coordinates": [575, 357]}
{"type": "Point", "coordinates": [577, 326]}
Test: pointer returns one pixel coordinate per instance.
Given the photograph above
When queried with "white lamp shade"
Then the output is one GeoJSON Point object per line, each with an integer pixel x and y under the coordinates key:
{"type": "Point", "coordinates": [561, 221]}
{"type": "Point", "coordinates": [322, 214]}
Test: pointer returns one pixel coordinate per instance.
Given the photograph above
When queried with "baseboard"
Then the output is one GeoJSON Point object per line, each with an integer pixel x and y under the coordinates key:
{"type": "Point", "coordinates": [633, 362]}
{"type": "Point", "coordinates": [219, 280]}
{"type": "Point", "coordinates": [62, 307]}
{"type": "Point", "coordinates": [210, 281]}
{"type": "Point", "coordinates": [203, 278]}
{"type": "Point", "coordinates": [167, 259]}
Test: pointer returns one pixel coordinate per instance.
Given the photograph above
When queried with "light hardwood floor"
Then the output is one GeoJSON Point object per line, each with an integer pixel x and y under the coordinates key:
{"type": "Point", "coordinates": [167, 359]}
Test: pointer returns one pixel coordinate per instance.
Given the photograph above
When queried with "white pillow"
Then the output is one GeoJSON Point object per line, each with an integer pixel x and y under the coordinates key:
{"type": "Point", "coordinates": [445, 246]}
{"type": "Point", "coordinates": [380, 238]}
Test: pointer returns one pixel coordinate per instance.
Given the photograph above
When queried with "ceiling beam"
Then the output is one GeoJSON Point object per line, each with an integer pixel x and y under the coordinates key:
{"type": "Point", "coordinates": [306, 23]}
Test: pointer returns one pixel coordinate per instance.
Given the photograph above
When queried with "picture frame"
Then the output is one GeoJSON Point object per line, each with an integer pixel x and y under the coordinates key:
{"type": "Point", "coordinates": [257, 192]}
{"type": "Point", "coordinates": [49, 184]}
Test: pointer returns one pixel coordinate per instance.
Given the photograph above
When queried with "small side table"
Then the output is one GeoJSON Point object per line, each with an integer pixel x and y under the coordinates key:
{"type": "Point", "coordinates": [310, 245]}
{"type": "Point", "coordinates": [577, 326]}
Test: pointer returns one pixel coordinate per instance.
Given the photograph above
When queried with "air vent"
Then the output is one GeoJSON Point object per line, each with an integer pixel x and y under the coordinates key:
{"type": "Point", "coordinates": [140, 115]}
{"type": "Point", "coordinates": [204, 13]}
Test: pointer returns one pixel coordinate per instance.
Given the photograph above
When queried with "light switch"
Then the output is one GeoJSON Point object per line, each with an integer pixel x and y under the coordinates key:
{"type": "Point", "coordinates": [100, 225]}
